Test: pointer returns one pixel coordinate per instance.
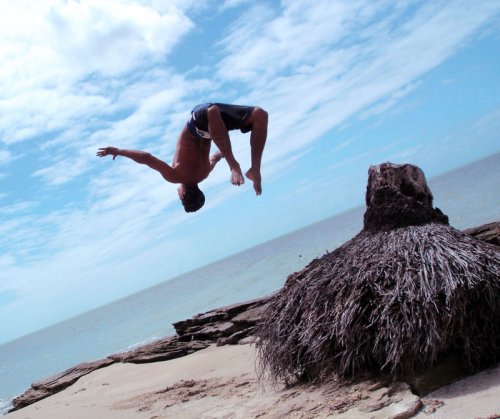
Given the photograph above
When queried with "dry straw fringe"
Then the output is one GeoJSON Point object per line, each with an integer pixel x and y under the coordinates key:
{"type": "Point", "coordinates": [392, 302]}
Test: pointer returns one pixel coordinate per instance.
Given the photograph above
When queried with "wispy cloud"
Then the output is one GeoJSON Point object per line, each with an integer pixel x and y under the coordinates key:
{"type": "Point", "coordinates": [341, 58]}
{"type": "Point", "coordinates": [55, 53]}
{"type": "Point", "coordinates": [75, 76]}
{"type": "Point", "coordinates": [4, 157]}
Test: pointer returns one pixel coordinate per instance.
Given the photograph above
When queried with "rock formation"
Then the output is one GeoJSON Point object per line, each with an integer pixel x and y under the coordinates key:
{"type": "Point", "coordinates": [404, 293]}
{"type": "Point", "coordinates": [225, 325]}
{"type": "Point", "coordinates": [489, 233]}
{"type": "Point", "coordinates": [44, 388]}
{"type": "Point", "coordinates": [397, 195]}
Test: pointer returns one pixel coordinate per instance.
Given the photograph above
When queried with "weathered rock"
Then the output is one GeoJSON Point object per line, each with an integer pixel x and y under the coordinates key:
{"type": "Point", "coordinates": [234, 338]}
{"type": "Point", "coordinates": [446, 372]}
{"type": "Point", "coordinates": [235, 309]}
{"type": "Point", "coordinates": [58, 382]}
{"type": "Point", "coordinates": [251, 316]}
{"type": "Point", "coordinates": [225, 325]}
{"type": "Point", "coordinates": [160, 350]}
{"type": "Point", "coordinates": [489, 233]}
{"type": "Point", "coordinates": [30, 396]}
{"type": "Point", "coordinates": [249, 340]}
{"type": "Point", "coordinates": [409, 409]}
{"type": "Point", "coordinates": [377, 385]}
{"type": "Point", "coordinates": [359, 400]}
{"type": "Point", "coordinates": [71, 375]}
{"type": "Point", "coordinates": [397, 196]}
{"type": "Point", "coordinates": [222, 314]}
{"type": "Point", "coordinates": [211, 332]}
{"type": "Point", "coordinates": [221, 323]}
{"type": "Point", "coordinates": [185, 326]}
{"type": "Point", "coordinates": [399, 402]}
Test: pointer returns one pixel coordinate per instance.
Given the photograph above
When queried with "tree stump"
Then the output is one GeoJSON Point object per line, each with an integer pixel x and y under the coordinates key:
{"type": "Point", "coordinates": [396, 299]}
{"type": "Point", "coordinates": [397, 195]}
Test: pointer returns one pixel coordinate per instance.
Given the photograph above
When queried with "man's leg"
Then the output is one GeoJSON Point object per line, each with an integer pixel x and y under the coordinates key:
{"type": "Point", "coordinates": [218, 133]}
{"type": "Point", "coordinates": [259, 120]}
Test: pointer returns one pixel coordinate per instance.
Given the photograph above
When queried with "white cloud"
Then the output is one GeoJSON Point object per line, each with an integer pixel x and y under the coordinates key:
{"type": "Point", "coordinates": [387, 104]}
{"type": "Point", "coordinates": [62, 171]}
{"type": "Point", "coordinates": [191, 6]}
{"type": "Point", "coordinates": [17, 207]}
{"type": "Point", "coordinates": [53, 50]}
{"type": "Point", "coordinates": [339, 82]}
{"type": "Point", "coordinates": [70, 39]}
{"type": "Point", "coordinates": [228, 4]}
{"type": "Point", "coordinates": [337, 59]}
{"type": "Point", "coordinates": [5, 157]}
{"type": "Point", "coordinates": [154, 105]}
{"type": "Point", "coordinates": [295, 40]}
{"type": "Point", "coordinates": [80, 75]}
{"type": "Point", "coordinates": [112, 37]}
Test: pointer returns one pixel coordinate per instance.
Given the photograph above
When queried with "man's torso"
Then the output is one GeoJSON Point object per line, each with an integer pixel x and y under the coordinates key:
{"type": "Point", "coordinates": [191, 159]}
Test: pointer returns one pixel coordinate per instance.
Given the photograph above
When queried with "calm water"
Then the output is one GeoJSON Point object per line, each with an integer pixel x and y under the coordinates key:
{"type": "Point", "coordinates": [469, 196]}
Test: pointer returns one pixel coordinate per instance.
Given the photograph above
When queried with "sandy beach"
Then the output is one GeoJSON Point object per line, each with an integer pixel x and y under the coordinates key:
{"type": "Point", "coordinates": [221, 382]}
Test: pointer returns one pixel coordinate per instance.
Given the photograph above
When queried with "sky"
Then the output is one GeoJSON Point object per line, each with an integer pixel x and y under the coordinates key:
{"type": "Point", "coordinates": [346, 83]}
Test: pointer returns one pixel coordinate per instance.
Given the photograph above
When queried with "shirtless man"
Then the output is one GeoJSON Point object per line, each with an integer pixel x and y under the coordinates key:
{"type": "Point", "coordinates": [192, 162]}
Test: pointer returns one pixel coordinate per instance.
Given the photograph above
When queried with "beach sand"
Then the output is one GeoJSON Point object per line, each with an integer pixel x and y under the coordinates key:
{"type": "Point", "coordinates": [477, 396]}
{"type": "Point", "coordinates": [221, 382]}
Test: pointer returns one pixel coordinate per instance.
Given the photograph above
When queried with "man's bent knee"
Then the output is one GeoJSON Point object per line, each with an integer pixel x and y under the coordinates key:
{"type": "Point", "coordinates": [213, 111]}
{"type": "Point", "coordinates": [259, 115]}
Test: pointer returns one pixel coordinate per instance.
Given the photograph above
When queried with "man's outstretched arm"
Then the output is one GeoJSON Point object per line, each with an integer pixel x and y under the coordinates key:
{"type": "Point", "coordinates": [142, 157]}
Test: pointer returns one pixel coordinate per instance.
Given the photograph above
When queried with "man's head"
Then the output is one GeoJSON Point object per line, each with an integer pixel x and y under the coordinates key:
{"type": "Point", "coordinates": [191, 197]}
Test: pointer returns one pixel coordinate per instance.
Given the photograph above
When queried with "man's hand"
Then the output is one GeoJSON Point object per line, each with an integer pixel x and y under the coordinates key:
{"type": "Point", "coordinates": [254, 176]}
{"type": "Point", "coordinates": [236, 175]}
{"type": "Point", "coordinates": [108, 151]}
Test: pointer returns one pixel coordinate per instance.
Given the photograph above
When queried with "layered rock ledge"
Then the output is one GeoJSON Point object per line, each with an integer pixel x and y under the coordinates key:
{"type": "Point", "coordinates": [222, 326]}
{"type": "Point", "coordinates": [489, 233]}
{"type": "Point", "coordinates": [226, 325]}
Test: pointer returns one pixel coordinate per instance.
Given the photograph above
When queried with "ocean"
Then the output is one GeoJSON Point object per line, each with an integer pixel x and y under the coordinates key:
{"type": "Point", "coordinates": [470, 196]}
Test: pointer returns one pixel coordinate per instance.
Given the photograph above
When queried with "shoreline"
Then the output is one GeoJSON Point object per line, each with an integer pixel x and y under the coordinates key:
{"type": "Point", "coordinates": [226, 326]}
{"type": "Point", "coordinates": [222, 382]}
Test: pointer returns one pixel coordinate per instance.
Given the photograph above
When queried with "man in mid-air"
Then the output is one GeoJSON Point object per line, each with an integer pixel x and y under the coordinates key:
{"type": "Point", "coordinates": [192, 162]}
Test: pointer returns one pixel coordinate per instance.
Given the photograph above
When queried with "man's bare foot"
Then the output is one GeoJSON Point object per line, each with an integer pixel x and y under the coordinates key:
{"type": "Point", "coordinates": [254, 176]}
{"type": "Point", "coordinates": [236, 176]}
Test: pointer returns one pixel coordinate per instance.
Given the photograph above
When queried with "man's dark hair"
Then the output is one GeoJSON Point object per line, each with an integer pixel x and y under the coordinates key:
{"type": "Point", "coordinates": [193, 199]}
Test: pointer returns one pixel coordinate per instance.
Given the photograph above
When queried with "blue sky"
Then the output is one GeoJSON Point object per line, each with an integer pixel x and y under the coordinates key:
{"type": "Point", "coordinates": [346, 84]}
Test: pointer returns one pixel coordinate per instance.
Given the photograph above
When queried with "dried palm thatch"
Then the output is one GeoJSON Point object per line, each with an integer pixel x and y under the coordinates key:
{"type": "Point", "coordinates": [393, 301]}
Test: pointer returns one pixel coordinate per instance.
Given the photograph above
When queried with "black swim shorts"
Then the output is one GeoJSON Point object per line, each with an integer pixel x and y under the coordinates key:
{"type": "Point", "coordinates": [233, 116]}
